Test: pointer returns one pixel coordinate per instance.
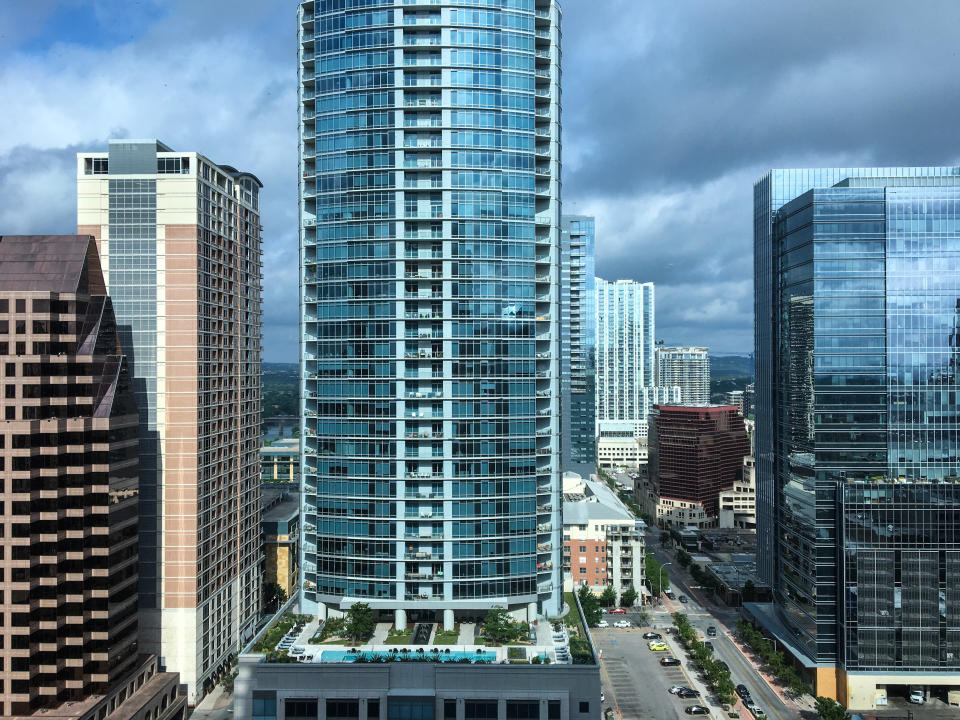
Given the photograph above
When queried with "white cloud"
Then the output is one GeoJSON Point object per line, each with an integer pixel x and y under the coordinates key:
{"type": "Point", "coordinates": [227, 98]}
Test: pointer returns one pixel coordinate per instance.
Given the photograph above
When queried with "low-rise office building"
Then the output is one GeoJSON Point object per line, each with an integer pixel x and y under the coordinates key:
{"type": "Point", "coordinates": [738, 505]}
{"type": "Point", "coordinates": [619, 446]}
{"type": "Point", "coordinates": [280, 461]}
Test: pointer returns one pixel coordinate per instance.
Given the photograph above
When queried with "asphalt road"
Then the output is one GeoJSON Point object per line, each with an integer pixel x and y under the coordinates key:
{"type": "Point", "coordinates": [701, 615]}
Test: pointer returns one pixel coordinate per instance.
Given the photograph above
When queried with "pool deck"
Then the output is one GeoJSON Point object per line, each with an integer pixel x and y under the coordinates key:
{"type": "Point", "coordinates": [313, 653]}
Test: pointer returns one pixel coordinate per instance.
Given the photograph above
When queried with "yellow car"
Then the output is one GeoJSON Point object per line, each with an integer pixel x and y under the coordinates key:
{"type": "Point", "coordinates": [657, 645]}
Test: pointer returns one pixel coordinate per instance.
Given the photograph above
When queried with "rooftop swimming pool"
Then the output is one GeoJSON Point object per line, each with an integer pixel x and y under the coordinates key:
{"type": "Point", "coordinates": [451, 656]}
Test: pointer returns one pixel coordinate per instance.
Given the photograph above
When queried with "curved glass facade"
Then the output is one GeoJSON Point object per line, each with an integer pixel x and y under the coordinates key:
{"type": "Point", "coordinates": [429, 267]}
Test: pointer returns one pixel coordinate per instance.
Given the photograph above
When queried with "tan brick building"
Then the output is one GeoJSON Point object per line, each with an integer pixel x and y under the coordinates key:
{"type": "Point", "coordinates": [180, 241]}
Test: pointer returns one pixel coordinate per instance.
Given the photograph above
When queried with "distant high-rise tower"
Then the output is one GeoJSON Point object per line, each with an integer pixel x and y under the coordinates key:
{"type": "Point", "coordinates": [578, 343]}
{"type": "Point", "coordinates": [429, 249]}
{"type": "Point", "coordinates": [858, 427]}
{"type": "Point", "coordinates": [688, 368]}
{"type": "Point", "coordinates": [180, 240]}
{"type": "Point", "coordinates": [69, 483]}
{"type": "Point", "coordinates": [626, 361]}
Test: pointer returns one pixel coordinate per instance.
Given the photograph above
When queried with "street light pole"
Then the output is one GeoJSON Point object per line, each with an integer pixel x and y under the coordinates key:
{"type": "Point", "coordinates": [660, 581]}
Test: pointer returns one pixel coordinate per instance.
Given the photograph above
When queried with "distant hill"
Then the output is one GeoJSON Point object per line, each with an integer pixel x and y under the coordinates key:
{"type": "Point", "coordinates": [281, 389]}
{"type": "Point", "coordinates": [729, 372]}
{"type": "Point", "coordinates": [726, 366]}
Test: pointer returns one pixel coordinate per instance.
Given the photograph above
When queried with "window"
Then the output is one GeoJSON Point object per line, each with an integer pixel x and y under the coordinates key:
{"type": "Point", "coordinates": [373, 709]}
{"type": "Point", "coordinates": [583, 548]}
{"type": "Point", "coordinates": [553, 710]}
{"type": "Point", "coordinates": [264, 705]}
{"type": "Point", "coordinates": [480, 710]}
{"type": "Point", "coordinates": [411, 709]}
{"type": "Point", "coordinates": [449, 710]}
{"type": "Point", "coordinates": [523, 710]}
{"type": "Point", "coordinates": [583, 571]}
{"type": "Point", "coordinates": [584, 706]}
{"type": "Point", "coordinates": [338, 710]}
{"type": "Point", "coordinates": [95, 166]}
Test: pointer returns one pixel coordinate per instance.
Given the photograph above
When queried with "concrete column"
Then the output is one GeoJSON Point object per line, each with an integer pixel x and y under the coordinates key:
{"type": "Point", "coordinates": [448, 619]}
{"type": "Point", "coordinates": [401, 618]}
{"type": "Point", "coordinates": [321, 611]}
{"type": "Point", "coordinates": [531, 612]}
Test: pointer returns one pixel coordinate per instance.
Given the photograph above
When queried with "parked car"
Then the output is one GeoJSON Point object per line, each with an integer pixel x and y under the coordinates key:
{"type": "Point", "coordinates": [756, 710]}
{"type": "Point", "coordinates": [618, 611]}
{"type": "Point", "coordinates": [622, 624]}
{"type": "Point", "coordinates": [688, 694]}
{"type": "Point", "coordinates": [708, 645]}
{"type": "Point", "coordinates": [682, 598]}
{"type": "Point", "coordinates": [652, 636]}
{"type": "Point", "coordinates": [916, 695]}
{"type": "Point", "coordinates": [674, 689]}
{"type": "Point", "coordinates": [743, 691]}
{"type": "Point", "coordinates": [603, 624]}
{"type": "Point", "coordinates": [711, 631]}
{"type": "Point", "coordinates": [724, 665]}
{"type": "Point", "coordinates": [696, 710]}
{"type": "Point", "coordinates": [669, 661]}
{"type": "Point", "coordinates": [297, 650]}
{"type": "Point", "coordinates": [657, 646]}
{"type": "Point", "coordinates": [670, 595]}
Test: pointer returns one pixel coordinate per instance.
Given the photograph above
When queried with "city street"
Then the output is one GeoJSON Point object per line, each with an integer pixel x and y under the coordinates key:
{"type": "Point", "coordinates": [701, 616]}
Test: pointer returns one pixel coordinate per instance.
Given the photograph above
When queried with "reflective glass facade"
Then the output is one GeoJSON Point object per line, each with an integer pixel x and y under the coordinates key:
{"type": "Point", "coordinates": [857, 342]}
{"type": "Point", "coordinates": [578, 340]}
{"type": "Point", "coordinates": [429, 158]}
{"type": "Point", "coordinates": [626, 356]}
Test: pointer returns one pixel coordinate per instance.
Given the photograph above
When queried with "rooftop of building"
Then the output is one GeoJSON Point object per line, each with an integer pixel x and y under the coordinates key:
{"type": "Point", "coordinates": [50, 263]}
{"type": "Point", "coordinates": [285, 446]}
{"type": "Point", "coordinates": [282, 510]}
{"type": "Point", "coordinates": [591, 501]}
{"type": "Point", "coordinates": [309, 639]}
{"type": "Point", "coordinates": [735, 574]}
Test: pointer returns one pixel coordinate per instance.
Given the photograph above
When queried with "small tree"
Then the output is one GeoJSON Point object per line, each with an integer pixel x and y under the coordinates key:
{"type": "Point", "coordinates": [830, 709]}
{"type": "Point", "coordinates": [359, 625]}
{"type": "Point", "coordinates": [665, 538]}
{"type": "Point", "coordinates": [591, 606]}
{"type": "Point", "coordinates": [608, 597]}
{"type": "Point", "coordinates": [683, 557]}
{"type": "Point", "coordinates": [629, 597]}
{"type": "Point", "coordinates": [499, 626]}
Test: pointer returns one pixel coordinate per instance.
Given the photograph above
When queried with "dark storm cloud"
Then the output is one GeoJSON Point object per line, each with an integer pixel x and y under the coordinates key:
{"type": "Point", "coordinates": [672, 110]}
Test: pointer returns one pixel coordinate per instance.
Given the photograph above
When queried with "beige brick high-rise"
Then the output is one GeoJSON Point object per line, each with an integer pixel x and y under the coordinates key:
{"type": "Point", "coordinates": [180, 240]}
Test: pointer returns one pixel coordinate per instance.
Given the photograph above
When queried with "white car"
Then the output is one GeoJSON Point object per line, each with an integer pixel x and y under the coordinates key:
{"type": "Point", "coordinates": [603, 623]}
{"type": "Point", "coordinates": [622, 624]}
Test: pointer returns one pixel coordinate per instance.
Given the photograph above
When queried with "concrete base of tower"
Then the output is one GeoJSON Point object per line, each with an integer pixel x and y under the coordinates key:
{"type": "Point", "coordinates": [448, 619]}
{"type": "Point", "coordinates": [400, 619]}
{"type": "Point", "coordinates": [531, 612]}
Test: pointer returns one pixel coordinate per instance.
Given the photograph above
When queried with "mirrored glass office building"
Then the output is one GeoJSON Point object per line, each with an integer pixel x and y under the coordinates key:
{"type": "Point", "coordinates": [578, 341]}
{"type": "Point", "coordinates": [429, 249]}
{"type": "Point", "coordinates": [858, 424]}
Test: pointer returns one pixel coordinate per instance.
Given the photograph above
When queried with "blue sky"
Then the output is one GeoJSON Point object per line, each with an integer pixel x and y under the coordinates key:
{"type": "Point", "coordinates": [670, 111]}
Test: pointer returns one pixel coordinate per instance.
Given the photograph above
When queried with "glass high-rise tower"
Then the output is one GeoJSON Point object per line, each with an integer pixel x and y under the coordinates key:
{"type": "Point", "coordinates": [858, 423]}
{"type": "Point", "coordinates": [429, 250]}
{"type": "Point", "coordinates": [578, 340]}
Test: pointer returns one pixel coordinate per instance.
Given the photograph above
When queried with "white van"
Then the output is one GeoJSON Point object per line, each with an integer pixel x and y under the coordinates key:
{"type": "Point", "coordinates": [916, 696]}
